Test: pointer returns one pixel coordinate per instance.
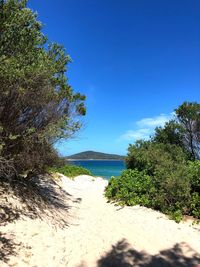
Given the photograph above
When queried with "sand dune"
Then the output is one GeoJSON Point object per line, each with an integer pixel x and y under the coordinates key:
{"type": "Point", "coordinates": [100, 234]}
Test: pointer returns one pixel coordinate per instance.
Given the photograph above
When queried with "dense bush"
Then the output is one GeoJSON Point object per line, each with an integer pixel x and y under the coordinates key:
{"type": "Point", "coordinates": [171, 178]}
{"type": "Point", "coordinates": [131, 188]}
{"type": "Point", "coordinates": [172, 133]}
{"type": "Point", "coordinates": [195, 205]}
{"type": "Point", "coordinates": [167, 191]}
{"type": "Point", "coordinates": [150, 156]}
{"type": "Point", "coordinates": [161, 178]}
{"type": "Point", "coordinates": [194, 172]}
{"type": "Point", "coordinates": [37, 105]}
{"type": "Point", "coordinates": [71, 170]}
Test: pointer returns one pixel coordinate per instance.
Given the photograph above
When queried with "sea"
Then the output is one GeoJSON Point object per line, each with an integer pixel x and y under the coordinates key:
{"type": "Point", "coordinates": [102, 168]}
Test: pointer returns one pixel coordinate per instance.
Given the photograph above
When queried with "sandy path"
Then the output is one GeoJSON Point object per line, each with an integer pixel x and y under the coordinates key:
{"type": "Point", "coordinates": [102, 234]}
{"type": "Point", "coordinates": [102, 225]}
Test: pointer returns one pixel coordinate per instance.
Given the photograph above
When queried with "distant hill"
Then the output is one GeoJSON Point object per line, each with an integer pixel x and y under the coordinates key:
{"type": "Point", "coordinates": [95, 155]}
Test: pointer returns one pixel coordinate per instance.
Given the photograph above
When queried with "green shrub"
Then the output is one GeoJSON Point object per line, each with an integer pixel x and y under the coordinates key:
{"type": "Point", "coordinates": [172, 183]}
{"type": "Point", "coordinates": [71, 170]}
{"type": "Point", "coordinates": [177, 215]}
{"type": "Point", "coordinates": [37, 105]}
{"type": "Point", "coordinates": [167, 165]}
{"type": "Point", "coordinates": [195, 205]}
{"type": "Point", "coordinates": [138, 158]}
{"type": "Point", "coordinates": [132, 188]}
{"type": "Point", "coordinates": [160, 179]}
{"type": "Point", "coordinates": [174, 186]}
{"type": "Point", "coordinates": [137, 188]}
{"type": "Point", "coordinates": [194, 172]}
{"type": "Point", "coordinates": [146, 155]}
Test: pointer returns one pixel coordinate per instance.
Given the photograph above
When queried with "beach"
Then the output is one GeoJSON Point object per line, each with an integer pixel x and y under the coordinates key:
{"type": "Point", "coordinates": [98, 234]}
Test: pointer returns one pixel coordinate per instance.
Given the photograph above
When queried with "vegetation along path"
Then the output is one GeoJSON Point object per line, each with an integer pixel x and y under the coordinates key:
{"type": "Point", "coordinates": [107, 235]}
{"type": "Point", "coordinates": [101, 234]}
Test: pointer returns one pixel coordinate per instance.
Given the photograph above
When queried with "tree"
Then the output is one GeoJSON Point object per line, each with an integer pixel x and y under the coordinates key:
{"type": "Point", "coordinates": [137, 157]}
{"type": "Point", "coordinates": [171, 133]}
{"type": "Point", "coordinates": [170, 159]}
{"type": "Point", "coordinates": [188, 116]}
{"type": "Point", "coordinates": [168, 188]}
{"type": "Point", "coordinates": [148, 156]}
{"type": "Point", "coordinates": [37, 105]}
{"type": "Point", "coordinates": [184, 131]}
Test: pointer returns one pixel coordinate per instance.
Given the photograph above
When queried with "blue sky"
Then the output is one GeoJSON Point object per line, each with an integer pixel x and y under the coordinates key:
{"type": "Point", "coordinates": [135, 60]}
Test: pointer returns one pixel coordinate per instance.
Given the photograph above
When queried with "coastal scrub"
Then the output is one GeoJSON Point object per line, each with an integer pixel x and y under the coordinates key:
{"type": "Point", "coordinates": [70, 171]}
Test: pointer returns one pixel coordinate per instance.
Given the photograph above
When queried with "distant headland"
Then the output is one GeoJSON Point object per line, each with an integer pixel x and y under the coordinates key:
{"type": "Point", "coordinates": [93, 155]}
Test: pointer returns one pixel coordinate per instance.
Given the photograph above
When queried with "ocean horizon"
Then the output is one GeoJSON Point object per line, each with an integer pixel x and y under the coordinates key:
{"type": "Point", "coordinates": [102, 168]}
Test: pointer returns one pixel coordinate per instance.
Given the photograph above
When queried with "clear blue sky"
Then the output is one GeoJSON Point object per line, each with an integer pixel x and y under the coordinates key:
{"type": "Point", "coordinates": [135, 60]}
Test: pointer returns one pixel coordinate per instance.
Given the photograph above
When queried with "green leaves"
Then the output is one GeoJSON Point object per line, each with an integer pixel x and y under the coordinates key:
{"type": "Point", "coordinates": [131, 188]}
{"type": "Point", "coordinates": [160, 177]}
{"type": "Point", "coordinates": [194, 172]}
{"type": "Point", "coordinates": [70, 171]}
{"type": "Point", "coordinates": [38, 106]}
{"type": "Point", "coordinates": [188, 115]}
{"type": "Point", "coordinates": [13, 137]}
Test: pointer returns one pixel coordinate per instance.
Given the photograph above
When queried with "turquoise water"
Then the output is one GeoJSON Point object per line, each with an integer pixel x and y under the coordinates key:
{"type": "Point", "coordinates": [102, 168]}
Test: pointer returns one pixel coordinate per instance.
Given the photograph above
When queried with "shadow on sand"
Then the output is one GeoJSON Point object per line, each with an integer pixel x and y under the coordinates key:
{"type": "Point", "coordinates": [122, 255]}
{"type": "Point", "coordinates": [38, 197]}
{"type": "Point", "coordinates": [7, 248]}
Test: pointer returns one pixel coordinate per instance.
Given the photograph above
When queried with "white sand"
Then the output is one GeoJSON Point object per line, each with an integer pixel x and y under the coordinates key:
{"type": "Point", "coordinates": [102, 234]}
